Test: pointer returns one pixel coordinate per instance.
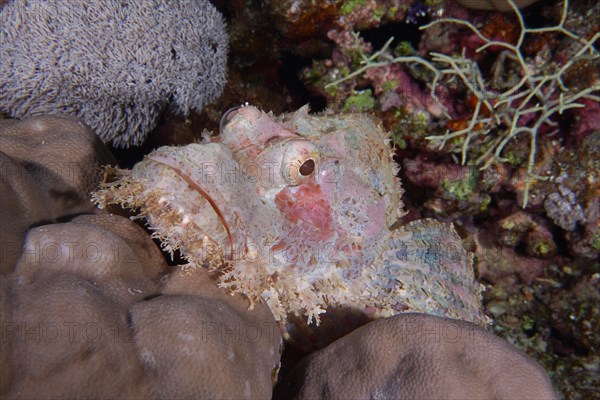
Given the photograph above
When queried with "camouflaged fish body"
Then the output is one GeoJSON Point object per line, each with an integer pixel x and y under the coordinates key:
{"type": "Point", "coordinates": [296, 211]}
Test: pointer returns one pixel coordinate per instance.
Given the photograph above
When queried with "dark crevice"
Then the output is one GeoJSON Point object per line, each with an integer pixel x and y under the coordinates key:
{"type": "Point", "coordinates": [291, 66]}
{"type": "Point", "coordinates": [401, 31]}
{"type": "Point", "coordinates": [147, 298]}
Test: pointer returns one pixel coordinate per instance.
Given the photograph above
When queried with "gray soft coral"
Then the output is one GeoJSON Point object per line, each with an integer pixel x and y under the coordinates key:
{"type": "Point", "coordinates": [114, 64]}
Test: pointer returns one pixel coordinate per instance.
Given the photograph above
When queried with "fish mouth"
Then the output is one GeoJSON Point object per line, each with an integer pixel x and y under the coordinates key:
{"type": "Point", "coordinates": [188, 179]}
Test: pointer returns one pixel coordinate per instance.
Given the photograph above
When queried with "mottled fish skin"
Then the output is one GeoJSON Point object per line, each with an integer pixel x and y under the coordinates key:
{"type": "Point", "coordinates": [296, 211]}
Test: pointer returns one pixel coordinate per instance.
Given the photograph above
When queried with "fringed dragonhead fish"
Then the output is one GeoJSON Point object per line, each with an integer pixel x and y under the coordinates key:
{"type": "Point", "coordinates": [297, 211]}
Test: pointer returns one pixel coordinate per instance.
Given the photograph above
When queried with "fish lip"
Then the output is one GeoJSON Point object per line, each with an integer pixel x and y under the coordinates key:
{"type": "Point", "coordinates": [195, 186]}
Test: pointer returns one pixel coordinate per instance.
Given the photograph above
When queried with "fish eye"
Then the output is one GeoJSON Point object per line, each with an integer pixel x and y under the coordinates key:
{"type": "Point", "coordinates": [307, 167]}
{"type": "Point", "coordinates": [300, 161]}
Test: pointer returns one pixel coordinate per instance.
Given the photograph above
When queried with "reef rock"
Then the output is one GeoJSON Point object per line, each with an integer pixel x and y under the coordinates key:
{"type": "Point", "coordinates": [88, 306]}
{"type": "Point", "coordinates": [413, 356]}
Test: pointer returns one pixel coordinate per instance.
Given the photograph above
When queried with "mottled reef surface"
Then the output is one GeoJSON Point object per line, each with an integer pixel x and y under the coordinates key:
{"type": "Point", "coordinates": [499, 147]}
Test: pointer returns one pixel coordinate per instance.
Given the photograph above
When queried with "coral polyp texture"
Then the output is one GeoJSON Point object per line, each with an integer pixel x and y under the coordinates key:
{"type": "Point", "coordinates": [115, 64]}
{"type": "Point", "coordinates": [527, 91]}
{"type": "Point", "coordinates": [297, 211]}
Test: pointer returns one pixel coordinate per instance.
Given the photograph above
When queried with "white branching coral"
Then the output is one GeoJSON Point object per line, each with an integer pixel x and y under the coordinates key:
{"type": "Point", "coordinates": [522, 108]}
{"type": "Point", "coordinates": [115, 64]}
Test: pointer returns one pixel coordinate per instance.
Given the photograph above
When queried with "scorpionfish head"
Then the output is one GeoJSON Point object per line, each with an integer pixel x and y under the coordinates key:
{"type": "Point", "coordinates": [322, 190]}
